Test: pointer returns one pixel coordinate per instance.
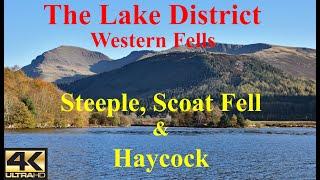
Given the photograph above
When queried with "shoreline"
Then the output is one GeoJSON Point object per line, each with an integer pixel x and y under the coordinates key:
{"type": "Point", "coordinates": [255, 124]}
{"type": "Point", "coordinates": [288, 124]}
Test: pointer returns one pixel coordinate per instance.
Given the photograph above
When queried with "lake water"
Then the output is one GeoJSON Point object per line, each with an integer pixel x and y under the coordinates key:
{"type": "Point", "coordinates": [272, 153]}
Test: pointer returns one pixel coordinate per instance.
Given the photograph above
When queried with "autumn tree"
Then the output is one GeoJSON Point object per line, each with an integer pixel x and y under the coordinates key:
{"type": "Point", "coordinates": [38, 103]}
{"type": "Point", "coordinates": [233, 121]}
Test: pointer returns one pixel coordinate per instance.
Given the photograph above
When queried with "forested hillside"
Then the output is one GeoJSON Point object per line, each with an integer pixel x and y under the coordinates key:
{"type": "Point", "coordinates": [30, 103]}
{"type": "Point", "coordinates": [194, 74]}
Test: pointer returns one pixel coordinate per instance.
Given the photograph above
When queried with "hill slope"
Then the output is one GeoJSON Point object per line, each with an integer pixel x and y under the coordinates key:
{"type": "Point", "coordinates": [299, 62]}
{"type": "Point", "coordinates": [105, 66]}
{"type": "Point", "coordinates": [30, 103]}
{"type": "Point", "coordinates": [64, 64]}
{"type": "Point", "coordinates": [194, 74]}
{"type": "Point", "coordinates": [214, 73]}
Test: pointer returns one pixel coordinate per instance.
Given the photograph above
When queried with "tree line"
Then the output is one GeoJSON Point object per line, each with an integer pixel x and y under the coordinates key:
{"type": "Point", "coordinates": [31, 103]}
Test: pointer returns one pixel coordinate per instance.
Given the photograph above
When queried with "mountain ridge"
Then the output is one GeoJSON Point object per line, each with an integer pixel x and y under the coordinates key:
{"type": "Point", "coordinates": [73, 63]}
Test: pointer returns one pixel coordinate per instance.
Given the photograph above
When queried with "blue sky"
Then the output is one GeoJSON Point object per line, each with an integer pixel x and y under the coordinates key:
{"type": "Point", "coordinates": [28, 34]}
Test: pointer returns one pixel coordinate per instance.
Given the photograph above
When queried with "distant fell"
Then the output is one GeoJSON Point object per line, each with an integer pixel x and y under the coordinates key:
{"type": "Point", "coordinates": [67, 64]}
{"type": "Point", "coordinates": [64, 64]}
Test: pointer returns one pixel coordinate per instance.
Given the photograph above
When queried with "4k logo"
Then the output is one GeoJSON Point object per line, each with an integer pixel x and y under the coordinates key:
{"type": "Point", "coordinates": [26, 163]}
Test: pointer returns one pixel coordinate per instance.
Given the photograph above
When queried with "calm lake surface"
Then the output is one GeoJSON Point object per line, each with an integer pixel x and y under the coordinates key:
{"type": "Point", "coordinates": [271, 153]}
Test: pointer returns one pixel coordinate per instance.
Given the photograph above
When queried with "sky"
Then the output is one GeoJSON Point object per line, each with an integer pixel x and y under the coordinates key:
{"type": "Point", "coordinates": [27, 32]}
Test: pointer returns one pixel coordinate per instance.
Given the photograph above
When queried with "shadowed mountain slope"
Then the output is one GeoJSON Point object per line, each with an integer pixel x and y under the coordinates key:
{"type": "Point", "coordinates": [192, 74]}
